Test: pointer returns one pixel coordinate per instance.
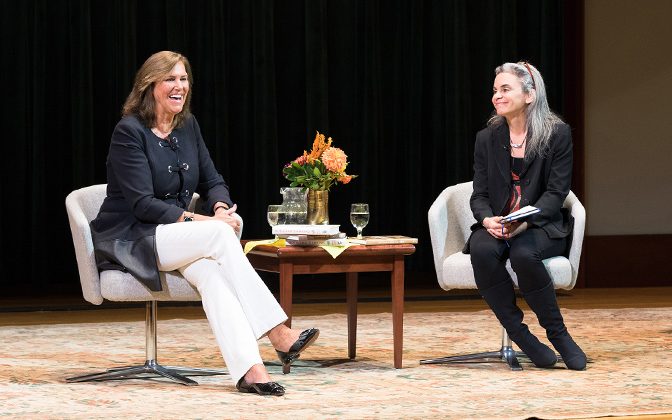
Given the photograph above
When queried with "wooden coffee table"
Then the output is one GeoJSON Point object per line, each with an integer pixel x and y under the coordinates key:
{"type": "Point", "coordinates": [291, 260]}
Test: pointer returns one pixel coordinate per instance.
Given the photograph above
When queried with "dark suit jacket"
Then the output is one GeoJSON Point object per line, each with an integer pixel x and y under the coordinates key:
{"type": "Point", "coordinates": [146, 187]}
{"type": "Point", "coordinates": [545, 182]}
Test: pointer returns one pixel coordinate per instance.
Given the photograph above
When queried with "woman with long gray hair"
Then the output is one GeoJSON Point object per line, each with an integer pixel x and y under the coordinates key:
{"type": "Point", "coordinates": [523, 157]}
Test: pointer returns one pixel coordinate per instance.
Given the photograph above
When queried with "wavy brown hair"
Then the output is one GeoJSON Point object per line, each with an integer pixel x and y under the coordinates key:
{"type": "Point", "coordinates": [140, 102]}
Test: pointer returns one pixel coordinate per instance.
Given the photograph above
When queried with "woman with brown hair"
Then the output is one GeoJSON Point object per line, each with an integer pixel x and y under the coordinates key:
{"type": "Point", "coordinates": [156, 161]}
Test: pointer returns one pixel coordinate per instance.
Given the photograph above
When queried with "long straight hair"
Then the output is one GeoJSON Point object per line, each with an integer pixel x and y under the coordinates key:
{"type": "Point", "coordinates": [140, 101]}
{"type": "Point", "coordinates": [539, 119]}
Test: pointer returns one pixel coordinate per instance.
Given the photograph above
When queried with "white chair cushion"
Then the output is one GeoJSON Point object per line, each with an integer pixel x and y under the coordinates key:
{"type": "Point", "coordinates": [458, 273]}
{"type": "Point", "coordinates": [118, 286]}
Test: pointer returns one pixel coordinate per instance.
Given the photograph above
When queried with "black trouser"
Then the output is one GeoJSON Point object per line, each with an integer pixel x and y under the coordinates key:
{"type": "Point", "coordinates": [526, 252]}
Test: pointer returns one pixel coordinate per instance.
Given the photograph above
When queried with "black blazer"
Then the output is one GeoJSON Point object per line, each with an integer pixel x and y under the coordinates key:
{"type": "Point", "coordinates": [545, 182]}
{"type": "Point", "coordinates": [149, 182]}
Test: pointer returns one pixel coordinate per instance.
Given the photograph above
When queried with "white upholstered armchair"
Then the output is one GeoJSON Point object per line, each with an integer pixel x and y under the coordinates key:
{"type": "Point", "coordinates": [450, 218]}
{"type": "Point", "coordinates": [117, 286]}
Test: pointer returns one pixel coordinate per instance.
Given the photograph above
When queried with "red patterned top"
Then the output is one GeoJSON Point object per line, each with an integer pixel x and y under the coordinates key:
{"type": "Point", "coordinates": [516, 195]}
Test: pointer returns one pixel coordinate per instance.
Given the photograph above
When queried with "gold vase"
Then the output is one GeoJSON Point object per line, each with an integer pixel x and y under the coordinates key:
{"type": "Point", "coordinates": [318, 207]}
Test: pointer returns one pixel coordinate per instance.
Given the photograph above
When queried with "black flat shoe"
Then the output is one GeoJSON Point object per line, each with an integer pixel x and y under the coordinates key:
{"type": "Point", "coordinates": [306, 338]}
{"type": "Point", "coordinates": [266, 388]}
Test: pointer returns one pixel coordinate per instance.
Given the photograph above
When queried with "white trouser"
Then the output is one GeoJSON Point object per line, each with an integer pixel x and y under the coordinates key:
{"type": "Point", "coordinates": [239, 306]}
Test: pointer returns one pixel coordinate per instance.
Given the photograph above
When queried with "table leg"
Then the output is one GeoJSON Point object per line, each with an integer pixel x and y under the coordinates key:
{"type": "Point", "coordinates": [397, 278]}
{"type": "Point", "coordinates": [286, 279]}
{"type": "Point", "coordinates": [351, 299]}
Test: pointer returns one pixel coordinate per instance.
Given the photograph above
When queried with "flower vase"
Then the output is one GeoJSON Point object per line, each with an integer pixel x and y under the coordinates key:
{"type": "Point", "coordinates": [318, 207]}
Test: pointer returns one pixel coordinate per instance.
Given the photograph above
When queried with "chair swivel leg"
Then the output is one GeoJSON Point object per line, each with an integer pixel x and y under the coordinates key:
{"type": "Point", "coordinates": [544, 303]}
{"type": "Point", "coordinates": [502, 300]}
{"type": "Point", "coordinates": [151, 368]}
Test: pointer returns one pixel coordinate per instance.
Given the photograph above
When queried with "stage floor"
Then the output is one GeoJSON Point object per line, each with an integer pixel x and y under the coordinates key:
{"type": "Point", "coordinates": [56, 310]}
{"type": "Point", "coordinates": [73, 310]}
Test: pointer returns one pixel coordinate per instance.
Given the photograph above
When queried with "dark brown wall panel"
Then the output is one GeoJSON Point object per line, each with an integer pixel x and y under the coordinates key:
{"type": "Point", "coordinates": [627, 261]}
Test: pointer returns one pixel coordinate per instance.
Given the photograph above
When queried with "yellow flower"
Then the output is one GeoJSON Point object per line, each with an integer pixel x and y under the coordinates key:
{"type": "Point", "coordinates": [334, 159]}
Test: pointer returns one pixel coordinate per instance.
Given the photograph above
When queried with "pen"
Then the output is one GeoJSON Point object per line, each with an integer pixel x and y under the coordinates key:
{"type": "Point", "coordinates": [505, 241]}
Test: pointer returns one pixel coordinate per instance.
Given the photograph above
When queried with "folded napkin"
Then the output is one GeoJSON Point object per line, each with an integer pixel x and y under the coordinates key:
{"type": "Point", "coordinates": [335, 251]}
{"type": "Point", "coordinates": [278, 243]}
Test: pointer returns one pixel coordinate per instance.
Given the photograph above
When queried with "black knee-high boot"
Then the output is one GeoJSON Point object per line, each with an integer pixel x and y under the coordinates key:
{"type": "Point", "coordinates": [544, 303]}
{"type": "Point", "coordinates": [502, 300]}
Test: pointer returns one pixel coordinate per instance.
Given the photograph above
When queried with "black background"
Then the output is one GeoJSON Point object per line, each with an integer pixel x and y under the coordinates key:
{"type": "Point", "coordinates": [401, 85]}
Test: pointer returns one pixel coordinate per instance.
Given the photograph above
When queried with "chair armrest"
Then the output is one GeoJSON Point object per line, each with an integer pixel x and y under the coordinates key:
{"type": "Point", "coordinates": [579, 213]}
{"type": "Point", "coordinates": [450, 219]}
{"type": "Point", "coordinates": [81, 236]}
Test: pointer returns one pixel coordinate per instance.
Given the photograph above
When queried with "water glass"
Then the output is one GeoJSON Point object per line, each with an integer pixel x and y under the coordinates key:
{"type": "Point", "coordinates": [273, 215]}
{"type": "Point", "coordinates": [359, 217]}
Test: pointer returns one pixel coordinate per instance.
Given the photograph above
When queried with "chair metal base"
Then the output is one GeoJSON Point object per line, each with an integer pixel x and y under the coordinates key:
{"type": "Point", "coordinates": [505, 354]}
{"type": "Point", "coordinates": [151, 369]}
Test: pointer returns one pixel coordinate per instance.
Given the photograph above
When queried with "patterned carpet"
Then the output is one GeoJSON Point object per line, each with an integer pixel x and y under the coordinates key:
{"type": "Point", "coordinates": [631, 372]}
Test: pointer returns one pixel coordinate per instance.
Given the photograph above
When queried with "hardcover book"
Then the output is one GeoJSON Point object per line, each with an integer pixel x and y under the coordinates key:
{"type": "Point", "coordinates": [317, 242]}
{"type": "Point", "coordinates": [384, 240]}
{"type": "Point", "coordinates": [313, 237]}
{"type": "Point", "coordinates": [306, 229]}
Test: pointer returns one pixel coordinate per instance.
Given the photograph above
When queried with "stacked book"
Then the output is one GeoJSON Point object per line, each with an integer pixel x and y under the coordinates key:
{"type": "Point", "coordinates": [384, 240]}
{"type": "Point", "coordinates": [311, 235]}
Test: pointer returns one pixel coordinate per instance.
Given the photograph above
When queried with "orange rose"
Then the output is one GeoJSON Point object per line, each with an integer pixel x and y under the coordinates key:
{"type": "Point", "coordinates": [344, 179]}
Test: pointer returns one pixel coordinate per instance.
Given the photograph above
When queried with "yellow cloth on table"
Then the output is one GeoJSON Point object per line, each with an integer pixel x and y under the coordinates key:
{"type": "Point", "coordinates": [278, 243]}
{"type": "Point", "coordinates": [335, 251]}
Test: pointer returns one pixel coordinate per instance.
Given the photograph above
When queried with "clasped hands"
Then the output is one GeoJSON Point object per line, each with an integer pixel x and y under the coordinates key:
{"type": "Point", "coordinates": [503, 231]}
{"type": "Point", "coordinates": [227, 216]}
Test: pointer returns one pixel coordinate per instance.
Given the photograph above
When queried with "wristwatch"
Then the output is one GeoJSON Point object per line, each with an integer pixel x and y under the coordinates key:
{"type": "Point", "coordinates": [189, 218]}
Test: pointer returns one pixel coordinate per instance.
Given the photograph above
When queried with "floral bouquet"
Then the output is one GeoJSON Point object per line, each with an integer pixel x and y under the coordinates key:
{"type": "Point", "coordinates": [318, 170]}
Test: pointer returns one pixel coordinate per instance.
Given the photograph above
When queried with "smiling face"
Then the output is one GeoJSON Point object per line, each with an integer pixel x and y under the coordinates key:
{"type": "Point", "coordinates": [170, 92]}
{"type": "Point", "coordinates": [508, 97]}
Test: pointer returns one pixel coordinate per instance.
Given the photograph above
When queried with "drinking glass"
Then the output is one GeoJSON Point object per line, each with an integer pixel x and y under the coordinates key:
{"type": "Point", "coordinates": [359, 217]}
{"type": "Point", "coordinates": [273, 215]}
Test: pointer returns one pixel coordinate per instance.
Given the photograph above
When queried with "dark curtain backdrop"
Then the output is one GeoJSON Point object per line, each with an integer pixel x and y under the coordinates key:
{"type": "Point", "coordinates": [401, 85]}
